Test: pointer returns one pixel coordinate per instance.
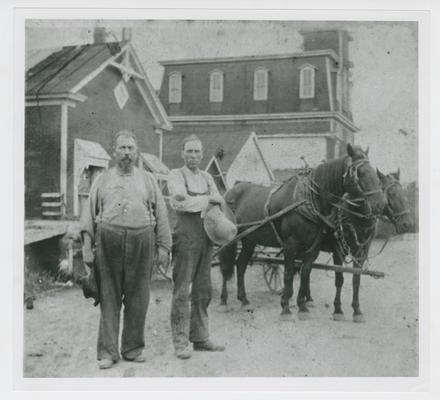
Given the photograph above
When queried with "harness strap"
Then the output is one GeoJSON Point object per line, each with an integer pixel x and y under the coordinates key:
{"type": "Point", "coordinates": [266, 215]}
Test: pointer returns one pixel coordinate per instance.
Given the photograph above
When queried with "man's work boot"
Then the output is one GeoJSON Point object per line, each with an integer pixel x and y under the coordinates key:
{"type": "Point", "coordinates": [183, 353]}
{"type": "Point", "coordinates": [105, 363]}
{"type": "Point", "coordinates": [207, 345]}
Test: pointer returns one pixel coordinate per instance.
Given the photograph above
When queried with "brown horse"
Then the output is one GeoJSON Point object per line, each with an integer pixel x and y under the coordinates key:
{"type": "Point", "coordinates": [300, 231]}
{"type": "Point", "coordinates": [354, 234]}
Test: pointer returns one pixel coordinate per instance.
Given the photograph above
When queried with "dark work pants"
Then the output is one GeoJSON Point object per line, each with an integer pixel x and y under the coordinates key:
{"type": "Point", "coordinates": [124, 257]}
{"type": "Point", "coordinates": [192, 281]}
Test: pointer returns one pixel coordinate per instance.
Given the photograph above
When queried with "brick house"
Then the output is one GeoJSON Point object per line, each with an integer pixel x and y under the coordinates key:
{"type": "Point", "coordinates": [298, 104]}
{"type": "Point", "coordinates": [77, 97]}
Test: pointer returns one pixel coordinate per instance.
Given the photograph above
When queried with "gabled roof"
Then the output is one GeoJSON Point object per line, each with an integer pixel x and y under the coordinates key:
{"type": "Point", "coordinates": [64, 72]}
{"type": "Point", "coordinates": [63, 69]}
{"type": "Point", "coordinates": [224, 147]}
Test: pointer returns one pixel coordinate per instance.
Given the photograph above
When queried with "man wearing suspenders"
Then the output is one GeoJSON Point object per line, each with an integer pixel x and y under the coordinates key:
{"type": "Point", "coordinates": [191, 191]}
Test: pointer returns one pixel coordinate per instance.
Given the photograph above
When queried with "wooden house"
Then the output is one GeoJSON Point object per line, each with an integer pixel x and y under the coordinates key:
{"type": "Point", "coordinates": [77, 97]}
{"type": "Point", "coordinates": [298, 104]}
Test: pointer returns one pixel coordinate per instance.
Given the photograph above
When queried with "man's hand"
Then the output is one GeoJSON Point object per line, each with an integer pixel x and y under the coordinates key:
{"type": "Point", "coordinates": [216, 199]}
{"type": "Point", "coordinates": [162, 257]}
{"type": "Point", "coordinates": [88, 256]}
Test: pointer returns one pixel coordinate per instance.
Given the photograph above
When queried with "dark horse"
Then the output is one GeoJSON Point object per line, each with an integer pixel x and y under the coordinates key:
{"type": "Point", "coordinates": [355, 233]}
{"type": "Point", "coordinates": [300, 231]}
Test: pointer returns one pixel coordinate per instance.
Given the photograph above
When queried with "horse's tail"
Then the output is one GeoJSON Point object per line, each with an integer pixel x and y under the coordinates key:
{"type": "Point", "coordinates": [227, 260]}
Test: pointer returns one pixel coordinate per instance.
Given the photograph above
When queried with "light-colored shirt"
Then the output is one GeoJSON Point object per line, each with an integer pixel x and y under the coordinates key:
{"type": "Point", "coordinates": [198, 182]}
{"type": "Point", "coordinates": [129, 200]}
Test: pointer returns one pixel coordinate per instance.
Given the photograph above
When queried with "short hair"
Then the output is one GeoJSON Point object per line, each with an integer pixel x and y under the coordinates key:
{"type": "Point", "coordinates": [191, 138]}
{"type": "Point", "coordinates": [118, 134]}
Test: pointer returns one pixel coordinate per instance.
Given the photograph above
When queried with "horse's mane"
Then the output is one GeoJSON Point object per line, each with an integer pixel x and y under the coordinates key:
{"type": "Point", "coordinates": [330, 176]}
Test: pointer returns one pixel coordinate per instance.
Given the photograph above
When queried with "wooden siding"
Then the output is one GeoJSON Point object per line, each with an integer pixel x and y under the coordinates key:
{"type": "Point", "coordinates": [238, 84]}
{"type": "Point", "coordinates": [42, 155]}
{"type": "Point", "coordinates": [99, 117]}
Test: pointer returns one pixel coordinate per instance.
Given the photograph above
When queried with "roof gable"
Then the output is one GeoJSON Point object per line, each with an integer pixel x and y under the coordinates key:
{"type": "Point", "coordinates": [68, 70]}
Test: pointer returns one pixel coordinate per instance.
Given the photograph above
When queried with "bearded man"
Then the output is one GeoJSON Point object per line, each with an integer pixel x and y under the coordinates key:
{"type": "Point", "coordinates": [127, 224]}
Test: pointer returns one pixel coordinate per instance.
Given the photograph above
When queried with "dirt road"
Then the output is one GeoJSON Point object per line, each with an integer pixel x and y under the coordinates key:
{"type": "Point", "coordinates": [60, 333]}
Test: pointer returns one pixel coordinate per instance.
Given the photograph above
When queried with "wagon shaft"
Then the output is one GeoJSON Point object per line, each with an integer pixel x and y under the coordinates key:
{"type": "Point", "coordinates": [327, 267]}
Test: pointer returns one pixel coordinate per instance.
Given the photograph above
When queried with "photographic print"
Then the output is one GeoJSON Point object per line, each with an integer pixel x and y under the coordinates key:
{"type": "Point", "coordinates": [221, 198]}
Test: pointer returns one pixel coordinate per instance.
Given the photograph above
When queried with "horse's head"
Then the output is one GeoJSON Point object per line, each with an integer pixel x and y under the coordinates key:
{"type": "Point", "coordinates": [361, 180]}
{"type": "Point", "coordinates": [396, 208]}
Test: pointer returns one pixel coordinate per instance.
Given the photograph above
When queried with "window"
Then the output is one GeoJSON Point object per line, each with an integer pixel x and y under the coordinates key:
{"type": "Point", "coordinates": [260, 84]}
{"type": "Point", "coordinates": [175, 87]}
{"type": "Point", "coordinates": [307, 82]}
{"type": "Point", "coordinates": [216, 87]}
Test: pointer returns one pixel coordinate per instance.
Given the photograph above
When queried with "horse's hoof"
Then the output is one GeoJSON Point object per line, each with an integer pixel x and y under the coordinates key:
{"type": "Point", "coordinates": [223, 308]}
{"type": "Point", "coordinates": [338, 317]}
{"type": "Point", "coordinates": [303, 315]}
{"type": "Point", "coordinates": [310, 303]}
{"type": "Point", "coordinates": [286, 316]}
{"type": "Point", "coordinates": [359, 318]}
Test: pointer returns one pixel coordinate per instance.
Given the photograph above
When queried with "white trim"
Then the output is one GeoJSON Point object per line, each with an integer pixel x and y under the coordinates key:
{"type": "Point", "coordinates": [266, 164]}
{"type": "Point", "coordinates": [329, 84]}
{"type": "Point", "coordinates": [214, 160]}
{"type": "Point", "coordinates": [175, 98]}
{"type": "Point", "coordinates": [339, 75]}
{"type": "Point", "coordinates": [216, 95]}
{"type": "Point", "coordinates": [310, 92]}
{"type": "Point", "coordinates": [148, 102]}
{"type": "Point", "coordinates": [126, 70]}
{"type": "Point", "coordinates": [83, 82]}
{"type": "Point", "coordinates": [312, 53]}
{"type": "Point", "coordinates": [43, 103]}
{"type": "Point", "coordinates": [63, 151]}
{"type": "Point", "coordinates": [281, 117]}
{"type": "Point", "coordinates": [266, 84]}
{"type": "Point", "coordinates": [295, 135]}
{"type": "Point", "coordinates": [165, 123]}
{"type": "Point", "coordinates": [160, 133]}
{"type": "Point", "coordinates": [57, 97]}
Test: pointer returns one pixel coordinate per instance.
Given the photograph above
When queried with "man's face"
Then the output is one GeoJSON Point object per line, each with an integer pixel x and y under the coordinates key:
{"type": "Point", "coordinates": [125, 153]}
{"type": "Point", "coordinates": [192, 154]}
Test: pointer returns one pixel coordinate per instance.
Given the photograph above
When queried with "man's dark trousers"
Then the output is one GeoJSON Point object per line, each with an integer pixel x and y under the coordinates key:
{"type": "Point", "coordinates": [124, 257]}
{"type": "Point", "coordinates": [192, 281]}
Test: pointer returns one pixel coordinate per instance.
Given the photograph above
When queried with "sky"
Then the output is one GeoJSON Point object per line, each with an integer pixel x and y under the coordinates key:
{"type": "Point", "coordinates": [384, 54]}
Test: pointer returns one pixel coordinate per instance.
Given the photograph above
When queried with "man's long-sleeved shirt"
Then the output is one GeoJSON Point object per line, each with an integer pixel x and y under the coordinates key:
{"type": "Point", "coordinates": [130, 200]}
{"type": "Point", "coordinates": [198, 182]}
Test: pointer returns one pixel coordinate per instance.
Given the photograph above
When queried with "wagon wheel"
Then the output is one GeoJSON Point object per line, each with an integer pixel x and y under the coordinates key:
{"type": "Point", "coordinates": [274, 277]}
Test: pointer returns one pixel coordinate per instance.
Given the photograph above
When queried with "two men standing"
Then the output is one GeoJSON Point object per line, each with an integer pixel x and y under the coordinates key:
{"type": "Point", "coordinates": [126, 222]}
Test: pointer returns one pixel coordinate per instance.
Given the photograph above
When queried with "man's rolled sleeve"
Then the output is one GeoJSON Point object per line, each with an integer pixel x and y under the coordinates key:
{"type": "Point", "coordinates": [180, 200]}
{"type": "Point", "coordinates": [163, 231]}
{"type": "Point", "coordinates": [89, 213]}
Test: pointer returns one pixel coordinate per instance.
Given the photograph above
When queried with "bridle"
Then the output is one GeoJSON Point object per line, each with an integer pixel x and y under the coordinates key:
{"type": "Point", "coordinates": [394, 217]}
{"type": "Point", "coordinates": [352, 173]}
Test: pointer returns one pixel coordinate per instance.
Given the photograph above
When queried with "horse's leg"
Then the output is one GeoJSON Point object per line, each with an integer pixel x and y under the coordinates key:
{"type": "Point", "coordinates": [357, 314]}
{"type": "Point", "coordinates": [309, 300]}
{"type": "Point", "coordinates": [227, 264]}
{"type": "Point", "coordinates": [289, 273]}
{"type": "Point", "coordinates": [247, 249]}
{"type": "Point", "coordinates": [303, 311]}
{"type": "Point", "coordinates": [338, 315]}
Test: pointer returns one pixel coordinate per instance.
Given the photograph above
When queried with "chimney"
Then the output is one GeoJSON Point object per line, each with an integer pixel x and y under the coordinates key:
{"type": "Point", "coordinates": [334, 39]}
{"type": "Point", "coordinates": [99, 35]}
{"type": "Point", "coordinates": [126, 34]}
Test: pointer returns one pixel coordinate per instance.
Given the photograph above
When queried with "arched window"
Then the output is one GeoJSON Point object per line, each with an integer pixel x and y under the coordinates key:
{"type": "Point", "coordinates": [307, 82]}
{"type": "Point", "coordinates": [216, 87]}
{"type": "Point", "coordinates": [260, 84]}
{"type": "Point", "coordinates": [175, 87]}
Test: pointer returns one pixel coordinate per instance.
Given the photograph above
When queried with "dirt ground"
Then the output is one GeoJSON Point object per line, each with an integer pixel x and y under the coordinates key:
{"type": "Point", "coordinates": [60, 332]}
